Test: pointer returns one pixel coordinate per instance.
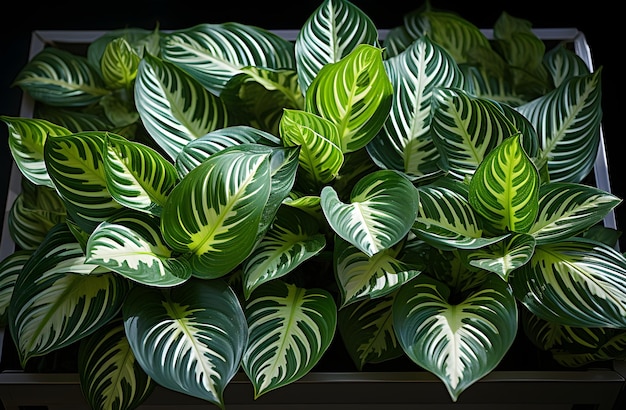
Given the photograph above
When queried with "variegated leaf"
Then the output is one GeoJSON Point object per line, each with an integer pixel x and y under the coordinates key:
{"type": "Point", "coordinates": [567, 121]}
{"type": "Point", "coordinates": [362, 277]}
{"type": "Point", "coordinates": [563, 64]}
{"type": "Point", "coordinates": [290, 329]}
{"type": "Point", "coordinates": [77, 121]}
{"type": "Point", "coordinates": [504, 256]}
{"type": "Point", "coordinates": [213, 53]}
{"type": "Point", "coordinates": [137, 176]}
{"type": "Point", "coordinates": [355, 94]}
{"type": "Point", "coordinates": [466, 129]}
{"type": "Point", "coordinates": [366, 328]}
{"type": "Point", "coordinates": [405, 143]}
{"type": "Point", "coordinates": [576, 283]}
{"type": "Point", "coordinates": [567, 209]}
{"type": "Point", "coordinates": [110, 376]}
{"type": "Point", "coordinates": [188, 338]}
{"type": "Point", "coordinates": [330, 33]}
{"type": "Point", "coordinates": [320, 156]}
{"type": "Point", "coordinates": [505, 187]}
{"type": "Point", "coordinates": [446, 219]}
{"type": "Point", "coordinates": [10, 268]}
{"type": "Point", "coordinates": [219, 203]}
{"type": "Point", "coordinates": [460, 342]}
{"type": "Point", "coordinates": [119, 64]}
{"type": "Point", "coordinates": [27, 137]}
{"type": "Point", "coordinates": [174, 107]}
{"type": "Point", "coordinates": [293, 238]}
{"type": "Point", "coordinates": [59, 298]}
{"type": "Point", "coordinates": [76, 166]}
{"type": "Point", "coordinates": [36, 209]}
{"type": "Point", "coordinates": [61, 78]}
{"type": "Point", "coordinates": [132, 245]}
{"type": "Point", "coordinates": [196, 151]}
{"type": "Point", "coordinates": [141, 41]}
{"type": "Point", "coordinates": [382, 208]}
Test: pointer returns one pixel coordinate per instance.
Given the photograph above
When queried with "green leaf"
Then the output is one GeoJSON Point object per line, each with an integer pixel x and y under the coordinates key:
{"type": "Point", "coordinates": [459, 342]}
{"type": "Point", "coordinates": [137, 176]}
{"type": "Point", "coordinates": [61, 78]}
{"type": "Point", "coordinates": [293, 238]}
{"type": "Point", "coordinates": [466, 129]}
{"type": "Point", "coordinates": [576, 283]}
{"type": "Point", "coordinates": [366, 328]}
{"type": "Point", "coordinates": [27, 137]}
{"type": "Point", "coordinates": [174, 107]}
{"type": "Point", "coordinates": [567, 121]}
{"type": "Point", "coordinates": [405, 142]}
{"type": "Point", "coordinates": [504, 256]}
{"type": "Point", "coordinates": [382, 208]}
{"type": "Point", "coordinates": [76, 167]}
{"type": "Point", "coordinates": [567, 209]}
{"type": "Point", "coordinates": [320, 156]}
{"type": "Point", "coordinates": [214, 53]}
{"type": "Point", "coordinates": [119, 64]}
{"type": "Point", "coordinates": [76, 299]}
{"type": "Point", "coordinates": [290, 329]}
{"type": "Point", "coordinates": [132, 245]}
{"type": "Point", "coordinates": [188, 338]}
{"type": "Point", "coordinates": [353, 93]}
{"type": "Point", "coordinates": [10, 268]}
{"type": "Point", "coordinates": [110, 377]}
{"type": "Point", "coordinates": [563, 64]}
{"type": "Point", "coordinates": [332, 31]}
{"type": "Point", "coordinates": [505, 187]}
{"type": "Point", "coordinates": [360, 276]}
{"type": "Point", "coordinates": [219, 203]}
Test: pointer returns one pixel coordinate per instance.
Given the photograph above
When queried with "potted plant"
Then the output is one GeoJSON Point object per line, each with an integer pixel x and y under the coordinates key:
{"type": "Point", "coordinates": [219, 200]}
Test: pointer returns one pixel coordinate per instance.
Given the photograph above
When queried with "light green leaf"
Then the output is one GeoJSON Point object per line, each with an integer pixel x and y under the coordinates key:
{"type": "Point", "coordinates": [504, 256]}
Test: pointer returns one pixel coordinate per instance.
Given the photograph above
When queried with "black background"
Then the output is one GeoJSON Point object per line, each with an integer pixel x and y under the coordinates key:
{"type": "Point", "coordinates": [597, 20]}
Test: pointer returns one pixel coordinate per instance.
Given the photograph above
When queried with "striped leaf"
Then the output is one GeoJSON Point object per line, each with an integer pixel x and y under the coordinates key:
{"type": "Point", "coordinates": [330, 33]}
{"type": "Point", "coordinates": [10, 268]}
{"type": "Point", "coordinates": [320, 156]}
{"type": "Point", "coordinates": [567, 209]}
{"type": "Point", "coordinates": [290, 329]}
{"type": "Point", "coordinates": [214, 53]}
{"type": "Point", "coordinates": [294, 238]}
{"type": "Point", "coordinates": [110, 376]}
{"type": "Point", "coordinates": [196, 151]}
{"type": "Point", "coordinates": [76, 167]}
{"type": "Point", "coordinates": [405, 142]}
{"type": "Point", "coordinates": [27, 137]}
{"type": "Point", "coordinates": [504, 256]}
{"type": "Point", "coordinates": [577, 282]}
{"type": "Point", "coordinates": [355, 94]}
{"type": "Point", "coordinates": [218, 204]}
{"type": "Point", "coordinates": [563, 64]}
{"type": "Point", "coordinates": [132, 245]}
{"type": "Point", "coordinates": [34, 212]}
{"type": "Point", "coordinates": [567, 121]}
{"type": "Point", "coordinates": [59, 298]}
{"type": "Point", "coordinates": [466, 129]}
{"type": "Point", "coordinates": [119, 64]}
{"type": "Point", "coordinates": [382, 208]}
{"type": "Point", "coordinates": [137, 176]}
{"type": "Point", "coordinates": [188, 338]}
{"type": "Point", "coordinates": [73, 120]}
{"type": "Point", "coordinates": [61, 78]}
{"type": "Point", "coordinates": [366, 328]}
{"type": "Point", "coordinates": [362, 277]}
{"type": "Point", "coordinates": [445, 218]}
{"type": "Point", "coordinates": [459, 342]}
{"type": "Point", "coordinates": [174, 107]}
{"type": "Point", "coordinates": [505, 187]}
